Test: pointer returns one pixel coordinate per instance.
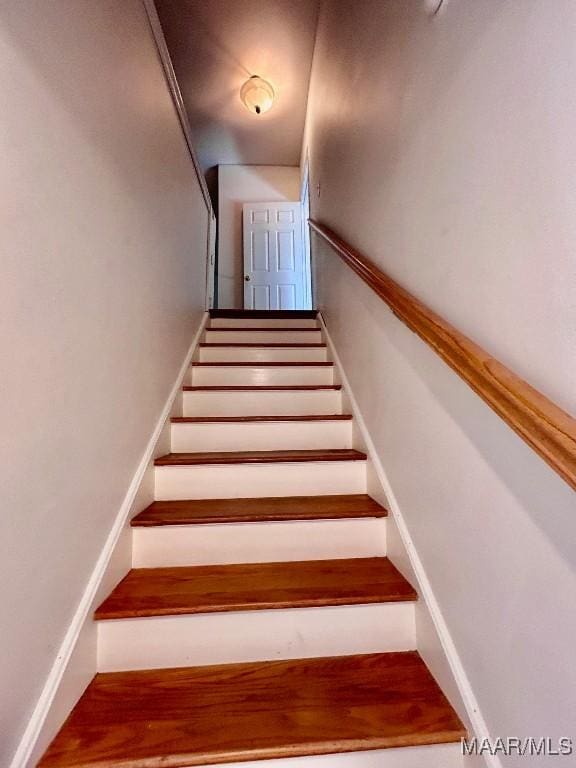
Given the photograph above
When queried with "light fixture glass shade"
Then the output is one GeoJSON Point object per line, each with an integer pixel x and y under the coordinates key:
{"type": "Point", "coordinates": [257, 95]}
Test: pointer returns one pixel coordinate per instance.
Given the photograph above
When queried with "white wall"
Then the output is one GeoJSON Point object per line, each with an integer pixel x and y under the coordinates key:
{"type": "Point", "coordinates": [239, 184]}
{"type": "Point", "coordinates": [102, 241]}
{"type": "Point", "coordinates": [444, 151]}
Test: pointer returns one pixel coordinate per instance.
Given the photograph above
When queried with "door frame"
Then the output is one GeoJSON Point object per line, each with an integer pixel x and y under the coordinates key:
{"type": "Point", "coordinates": [295, 205]}
{"type": "Point", "coordinates": [305, 204]}
{"type": "Point", "coordinates": [211, 261]}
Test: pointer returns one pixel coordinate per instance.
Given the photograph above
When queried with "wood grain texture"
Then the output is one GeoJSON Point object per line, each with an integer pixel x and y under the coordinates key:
{"type": "Point", "coordinates": [264, 314]}
{"type": "Point", "coordinates": [255, 586]}
{"type": "Point", "coordinates": [256, 419]}
{"type": "Point", "coordinates": [277, 388]}
{"type": "Point", "coordinates": [548, 429]}
{"type": "Point", "coordinates": [258, 457]}
{"type": "Point", "coordinates": [262, 509]}
{"type": "Point", "coordinates": [172, 718]}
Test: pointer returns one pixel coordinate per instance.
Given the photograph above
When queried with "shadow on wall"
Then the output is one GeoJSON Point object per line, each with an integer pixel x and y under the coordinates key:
{"type": "Point", "coordinates": [211, 177]}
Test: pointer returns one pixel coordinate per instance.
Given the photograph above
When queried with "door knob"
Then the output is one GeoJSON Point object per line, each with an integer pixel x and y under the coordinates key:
{"type": "Point", "coordinates": [247, 278]}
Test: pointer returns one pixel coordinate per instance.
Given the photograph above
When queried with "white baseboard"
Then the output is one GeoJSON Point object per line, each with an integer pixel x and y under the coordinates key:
{"type": "Point", "coordinates": [27, 751]}
{"type": "Point", "coordinates": [462, 684]}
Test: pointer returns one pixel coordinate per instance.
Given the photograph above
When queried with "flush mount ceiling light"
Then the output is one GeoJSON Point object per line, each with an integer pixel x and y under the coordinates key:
{"type": "Point", "coordinates": [257, 95]}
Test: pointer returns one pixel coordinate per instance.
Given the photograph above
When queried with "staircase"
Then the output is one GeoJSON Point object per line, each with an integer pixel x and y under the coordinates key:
{"type": "Point", "coordinates": [261, 619]}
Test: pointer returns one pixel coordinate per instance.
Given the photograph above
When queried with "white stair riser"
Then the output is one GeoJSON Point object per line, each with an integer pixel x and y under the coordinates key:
{"type": "Point", "coordinates": [248, 480]}
{"type": "Point", "coordinates": [267, 403]}
{"type": "Point", "coordinates": [262, 354]}
{"type": "Point", "coordinates": [434, 756]}
{"type": "Point", "coordinates": [237, 636]}
{"type": "Point", "coordinates": [263, 337]}
{"type": "Point", "coordinates": [174, 545]}
{"type": "Point", "coordinates": [255, 376]}
{"type": "Point", "coordinates": [261, 436]}
{"type": "Point", "coordinates": [277, 322]}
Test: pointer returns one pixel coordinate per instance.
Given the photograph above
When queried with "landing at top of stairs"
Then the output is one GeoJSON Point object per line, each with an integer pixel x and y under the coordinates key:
{"type": "Point", "coordinates": [265, 314]}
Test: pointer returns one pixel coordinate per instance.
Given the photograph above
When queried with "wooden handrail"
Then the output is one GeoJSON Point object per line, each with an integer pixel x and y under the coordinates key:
{"type": "Point", "coordinates": [548, 429]}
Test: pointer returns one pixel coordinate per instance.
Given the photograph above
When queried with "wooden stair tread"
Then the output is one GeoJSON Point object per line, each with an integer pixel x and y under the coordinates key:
{"type": "Point", "coordinates": [249, 364]}
{"type": "Point", "coordinates": [181, 590]}
{"type": "Point", "coordinates": [267, 328]}
{"type": "Point", "coordinates": [274, 388]}
{"type": "Point", "coordinates": [285, 345]}
{"type": "Point", "coordinates": [274, 508]}
{"type": "Point", "coordinates": [242, 419]}
{"type": "Point", "coordinates": [258, 457]}
{"type": "Point", "coordinates": [254, 711]}
{"type": "Point", "coordinates": [272, 314]}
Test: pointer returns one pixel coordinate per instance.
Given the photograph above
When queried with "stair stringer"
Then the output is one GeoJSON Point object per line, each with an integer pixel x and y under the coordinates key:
{"type": "Point", "coordinates": [434, 642]}
{"type": "Point", "coordinates": [76, 661]}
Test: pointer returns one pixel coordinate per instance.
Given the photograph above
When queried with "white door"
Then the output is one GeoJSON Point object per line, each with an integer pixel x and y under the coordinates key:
{"type": "Point", "coordinates": [273, 256]}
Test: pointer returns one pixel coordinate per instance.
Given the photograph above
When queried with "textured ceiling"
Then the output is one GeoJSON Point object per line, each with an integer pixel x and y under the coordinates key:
{"type": "Point", "coordinates": [215, 46]}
